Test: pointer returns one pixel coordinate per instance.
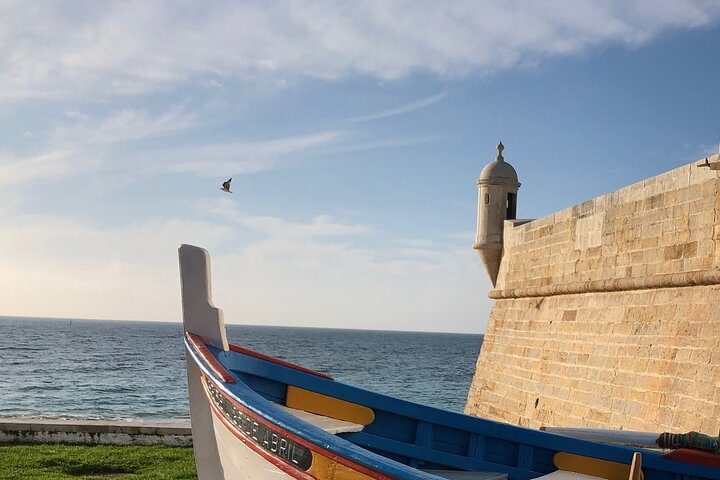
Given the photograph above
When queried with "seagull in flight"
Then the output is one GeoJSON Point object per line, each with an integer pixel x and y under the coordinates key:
{"type": "Point", "coordinates": [226, 186]}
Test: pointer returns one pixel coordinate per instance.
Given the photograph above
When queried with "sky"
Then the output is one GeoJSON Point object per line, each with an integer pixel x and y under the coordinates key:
{"type": "Point", "coordinates": [353, 131]}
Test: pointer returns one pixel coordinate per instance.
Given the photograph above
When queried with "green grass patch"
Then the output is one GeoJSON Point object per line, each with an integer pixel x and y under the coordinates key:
{"type": "Point", "coordinates": [95, 462]}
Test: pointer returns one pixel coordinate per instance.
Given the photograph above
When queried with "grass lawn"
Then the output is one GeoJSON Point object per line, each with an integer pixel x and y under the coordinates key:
{"type": "Point", "coordinates": [63, 462]}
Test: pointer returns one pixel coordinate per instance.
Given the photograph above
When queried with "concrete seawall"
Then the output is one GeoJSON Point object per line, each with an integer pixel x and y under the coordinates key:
{"type": "Point", "coordinates": [95, 432]}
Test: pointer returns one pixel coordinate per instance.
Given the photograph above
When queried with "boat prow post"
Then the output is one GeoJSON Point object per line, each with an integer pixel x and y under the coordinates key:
{"type": "Point", "coordinates": [202, 318]}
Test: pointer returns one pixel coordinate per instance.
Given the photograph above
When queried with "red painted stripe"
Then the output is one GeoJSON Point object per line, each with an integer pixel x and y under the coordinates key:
{"type": "Point", "coordinates": [311, 446]}
{"type": "Point", "coordinates": [696, 457]}
{"type": "Point", "coordinates": [198, 343]}
{"type": "Point", "coordinates": [252, 353]}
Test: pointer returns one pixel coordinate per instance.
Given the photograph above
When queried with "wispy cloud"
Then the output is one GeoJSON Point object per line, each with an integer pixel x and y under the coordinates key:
{"type": "Point", "coordinates": [245, 156]}
{"type": "Point", "coordinates": [40, 168]}
{"type": "Point", "coordinates": [391, 112]}
{"type": "Point", "coordinates": [80, 143]}
{"type": "Point", "coordinates": [121, 125]}
{"type": "Point", "coordinates": [130, 48]}
{"type": "Point", "coordinates": [364, 144]}
{"type": "Point", "coordinates": [320, 226]}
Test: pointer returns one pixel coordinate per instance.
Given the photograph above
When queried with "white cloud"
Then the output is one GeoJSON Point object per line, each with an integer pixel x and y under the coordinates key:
{"type": "Point", "coordinates": [41, 168]}
{"type": "Point", "coordinates": [110, 49]}
{"type": "Point", "coordinates": [244, 156]}
{"type": "Point", "coordinates": [302, 274]}
{"type": "Point", "coordinates": [82, 143]}
{"type": "Point", "coordinates": [322, 271]}
{"type": "Point", "coordinates": [55, 266]}
{"type": "Point", "coordinates": [320, 226]}
{"type": "Point", "coordinates": [407, 108]}
{"type": "Point", "coordinates": [306, 282]}
{"type": "Point", "coordinates": [121, 125]}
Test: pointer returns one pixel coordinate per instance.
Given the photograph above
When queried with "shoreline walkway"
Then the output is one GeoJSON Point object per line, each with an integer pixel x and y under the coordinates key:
{"type": "Point", "coordinates": [95, 432]}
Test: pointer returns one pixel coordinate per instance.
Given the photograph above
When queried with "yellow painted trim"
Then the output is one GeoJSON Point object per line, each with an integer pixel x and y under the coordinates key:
{"type": "Point", "coordinates": [328, 406]}
{"type": "Point", "coordinates": [325, 469]}
{"type": "Point", "coordinates": [593, 466]}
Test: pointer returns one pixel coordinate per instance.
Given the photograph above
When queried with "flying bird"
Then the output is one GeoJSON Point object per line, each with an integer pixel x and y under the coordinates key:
{"type": "Point", "coordinates": [226, 186]}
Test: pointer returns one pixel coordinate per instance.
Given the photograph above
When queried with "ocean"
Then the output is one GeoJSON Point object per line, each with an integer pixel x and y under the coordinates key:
{"type": "Point", "coordinates": [99, 369]}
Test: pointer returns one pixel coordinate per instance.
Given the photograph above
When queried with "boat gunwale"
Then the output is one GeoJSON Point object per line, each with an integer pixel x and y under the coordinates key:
{"type": "Point", "coordinates": [246, 351]}
{"type": "Point", "coordinates": [201, 348]}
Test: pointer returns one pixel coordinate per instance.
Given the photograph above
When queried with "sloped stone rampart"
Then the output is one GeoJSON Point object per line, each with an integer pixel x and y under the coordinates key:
{"type": "Point", "coordinates": [607, 314]}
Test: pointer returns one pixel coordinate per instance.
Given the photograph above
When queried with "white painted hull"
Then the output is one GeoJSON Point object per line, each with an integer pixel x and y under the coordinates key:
{"type": "Point", "coordinates": [220, 454]}
{"type": "Point", "coordinates": [238, 460]}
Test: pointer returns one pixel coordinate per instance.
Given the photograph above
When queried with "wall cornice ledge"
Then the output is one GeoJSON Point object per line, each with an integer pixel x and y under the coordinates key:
{"type": "Point", "coordinates": [669, 280]}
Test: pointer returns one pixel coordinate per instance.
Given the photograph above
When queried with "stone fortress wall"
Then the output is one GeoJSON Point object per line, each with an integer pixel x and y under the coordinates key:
{"type": "Point", "coordinates": [607, 314]}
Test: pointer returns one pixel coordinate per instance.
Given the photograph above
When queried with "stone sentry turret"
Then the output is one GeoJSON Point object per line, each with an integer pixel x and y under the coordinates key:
{"type": "Point", "coordinates": [497, 201]}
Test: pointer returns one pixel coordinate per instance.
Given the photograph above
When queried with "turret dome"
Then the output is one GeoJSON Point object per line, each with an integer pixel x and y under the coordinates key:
{"type": "Point", "coordinates": [497, 201]}
{"type": "Point", "coordinates": [499, 171]}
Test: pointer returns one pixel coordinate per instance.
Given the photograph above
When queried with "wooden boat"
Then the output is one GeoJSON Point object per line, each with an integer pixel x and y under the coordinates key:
{"type": "Point", "coordinates": [257, 417]}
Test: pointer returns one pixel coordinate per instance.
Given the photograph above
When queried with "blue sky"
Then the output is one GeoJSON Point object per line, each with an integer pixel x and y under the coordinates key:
{"type": "Point", "coordinates": [353, 134]}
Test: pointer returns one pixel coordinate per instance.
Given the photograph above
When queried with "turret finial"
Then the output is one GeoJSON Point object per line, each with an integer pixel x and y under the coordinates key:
{"type": "Point", "coordinates": [500, 148]}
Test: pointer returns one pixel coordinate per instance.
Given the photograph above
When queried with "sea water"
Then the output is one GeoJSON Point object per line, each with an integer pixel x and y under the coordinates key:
{"type": "Point", "coordinates": [99, 369]}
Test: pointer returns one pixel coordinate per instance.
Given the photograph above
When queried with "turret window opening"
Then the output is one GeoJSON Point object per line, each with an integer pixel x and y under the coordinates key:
{"type": "Point", "coordinates": [487, 199]}
{"type": "Point", "coordinates": [511, 206]}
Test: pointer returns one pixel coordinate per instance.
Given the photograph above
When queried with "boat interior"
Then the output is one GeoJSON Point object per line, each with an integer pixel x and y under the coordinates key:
{"type": "Point", "coordinates": [441, 443]}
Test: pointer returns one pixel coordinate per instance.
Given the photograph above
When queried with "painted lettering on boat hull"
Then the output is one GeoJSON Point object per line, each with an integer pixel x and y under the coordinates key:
{"type": "Point", "coordinates": [260, 434]}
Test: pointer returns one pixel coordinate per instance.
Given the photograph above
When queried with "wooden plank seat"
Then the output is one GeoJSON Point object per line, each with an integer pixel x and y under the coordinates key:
{"type": "Point", "coordinates": [593, 468]}
{"type": "Point", "coordinates": [330, 425]}
{"type": "Point", "coordinates": [460, 475]}
{"type": "Point", "coordinates": [566, 475]}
